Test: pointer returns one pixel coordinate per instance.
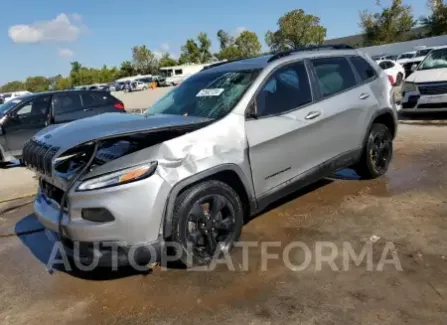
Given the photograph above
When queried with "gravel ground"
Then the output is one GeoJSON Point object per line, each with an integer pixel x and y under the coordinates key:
{"type": "Point", "coordinates": [406, 208]}
{"type": "Point", "coordinates": [141, 100]}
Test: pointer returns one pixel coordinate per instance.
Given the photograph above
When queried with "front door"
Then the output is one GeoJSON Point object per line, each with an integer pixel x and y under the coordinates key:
{"type": "Point", "coordinates": [283, 139]}
{"type": "Point", "coordinates": [25, 121]}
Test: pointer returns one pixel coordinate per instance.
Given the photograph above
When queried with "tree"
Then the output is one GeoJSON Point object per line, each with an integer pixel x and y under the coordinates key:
{"type": "Point", "coordinates": [193, 52]}
{"type": "Point", "coordinates": [225, 39]}
{"type": "Point", "coordinates": [75, 73]}
{"type": "Point", "coordinates": [144, 60]}
{"type": "Point", "coordinates": [12, 86]}
{"type": "Point", "coordinates": [388, 26]}
{"type": "Point", "coordinates": [436, 22]}
{"type": "Point", "coordinates": [248, 44]}
{"type": "Point", "coordinates": [230, 52]}
{"type": "Point", "coordinates": [127, 69]}
{"type": "Point", "coordinates": [296, 29]}
{"type": "Point", "coordinates": [190, 52]}
{"type": "Point", "coordinates": [37, 84]}
{"type": "Point", "coordinates": [204, 47]}
{"type": "Point", "coordinates": [166, 61]}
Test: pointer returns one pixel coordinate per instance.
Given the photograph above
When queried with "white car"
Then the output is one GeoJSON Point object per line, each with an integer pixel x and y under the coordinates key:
{"type": "Point", "coordinates": [8, 96]}
{"type": "Point", "coordinates": [394, 71]}
{"type": "Point", "coordinates": [138, 85]}
{"type": "Point", "coordinates": [425, 90]}
{"type": "Point", "coordinates": [418, 58]}
{"type": "Point", "coordinates": [404, 57]}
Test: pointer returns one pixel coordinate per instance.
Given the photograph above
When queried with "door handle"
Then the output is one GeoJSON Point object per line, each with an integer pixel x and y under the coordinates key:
{"type": "Point", "coordinates": [312, 115]}
{"type": "Point", "coordinates": [364, 96]}
{"type": "Point", "coordinates": [87, 109]}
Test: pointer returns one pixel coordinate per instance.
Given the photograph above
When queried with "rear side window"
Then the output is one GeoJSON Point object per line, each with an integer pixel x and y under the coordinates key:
{"type": "Point", "coordinates": [66, 103]}
{"type": "Point", "coordinates": [97, 99]}
{"type": "Point", "coordinates": [363, 68]}
{"type": "Point", "coordinates": [334, 75]}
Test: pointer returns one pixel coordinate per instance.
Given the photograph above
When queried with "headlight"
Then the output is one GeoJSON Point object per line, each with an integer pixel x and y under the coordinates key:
{"type": "Point", "coordinates": [123, 176]}
{"type": "Point", "coordinates": [409, 87]}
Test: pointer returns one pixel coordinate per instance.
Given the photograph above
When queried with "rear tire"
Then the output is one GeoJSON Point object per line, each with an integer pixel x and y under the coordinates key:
{"type": "Point", "coordinates": [207, 220]}
{"type": "Point", "coordinates": [377, 153]}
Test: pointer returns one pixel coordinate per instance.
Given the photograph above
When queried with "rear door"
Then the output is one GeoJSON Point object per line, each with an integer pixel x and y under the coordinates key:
{"type": "Point", "coordinates": [345, 102]}
{"type": "Point", "coordinates": [98, 102]}
{"type": "Point", "coordinates": [68, 107]}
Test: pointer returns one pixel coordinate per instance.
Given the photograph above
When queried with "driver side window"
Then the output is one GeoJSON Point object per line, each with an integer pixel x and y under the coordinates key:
{"type": "Point", "coordinates": [288, 88]}
{"type": "Point", "coordinates": [34, 107]}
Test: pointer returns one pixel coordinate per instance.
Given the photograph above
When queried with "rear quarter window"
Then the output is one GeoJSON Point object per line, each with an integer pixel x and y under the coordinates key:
{"type": "Point", "coordinates": [97, 99]}
{"type": "Point", "coordinates": [363, 68]}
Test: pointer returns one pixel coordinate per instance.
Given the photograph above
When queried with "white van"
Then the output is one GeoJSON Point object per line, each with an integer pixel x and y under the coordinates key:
{"type": "Point", "coordinates": [172, 76]}
{"type": "Point", "coordinates": [8, 96]}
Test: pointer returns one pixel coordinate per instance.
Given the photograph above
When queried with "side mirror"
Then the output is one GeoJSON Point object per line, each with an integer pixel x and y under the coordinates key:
{"type": "Point", "coordinates": [251, 111]}
{"type": "Point", "coordinates": [414, 67]}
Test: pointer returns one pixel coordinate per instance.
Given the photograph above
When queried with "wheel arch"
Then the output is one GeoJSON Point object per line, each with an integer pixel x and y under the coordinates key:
{"type": "Point", "coordinates": [385, 116]}
{"type": "Point", "coordinates": [231, 174]}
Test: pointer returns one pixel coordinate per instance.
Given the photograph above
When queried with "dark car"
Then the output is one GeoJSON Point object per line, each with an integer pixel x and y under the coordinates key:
{"type": "Point", "coordinates": [22, 117]}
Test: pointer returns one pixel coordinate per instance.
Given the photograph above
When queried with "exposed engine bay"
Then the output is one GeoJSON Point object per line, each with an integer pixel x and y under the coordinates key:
{"type": "Point", "coordinates": [74, 159]}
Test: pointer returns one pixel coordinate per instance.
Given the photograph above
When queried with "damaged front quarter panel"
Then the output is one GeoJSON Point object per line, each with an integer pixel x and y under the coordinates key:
{"type": "Point", "coordinates": [185, 151]}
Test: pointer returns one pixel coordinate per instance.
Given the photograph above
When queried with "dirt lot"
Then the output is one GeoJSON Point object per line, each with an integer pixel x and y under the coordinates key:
{"type": "Point", "coordinates": [141, 100]}
{"type": "Point", "coordinates": [407, 208]}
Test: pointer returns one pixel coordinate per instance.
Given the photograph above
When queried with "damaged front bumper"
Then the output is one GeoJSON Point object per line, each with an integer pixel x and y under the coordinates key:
{"type": "Point", "coordinates": [135, 215]}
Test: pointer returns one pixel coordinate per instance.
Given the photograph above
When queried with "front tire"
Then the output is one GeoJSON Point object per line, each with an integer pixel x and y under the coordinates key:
{"type": "Point", "coordinates": [377, 153]}
{"type": "Point", "coordinates": [207, 220]}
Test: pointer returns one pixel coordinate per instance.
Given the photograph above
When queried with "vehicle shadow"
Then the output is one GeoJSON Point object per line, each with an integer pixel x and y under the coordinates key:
{"type": "Point", "coordinates": [33, 235]}
{"type": "Point", "coordinates": [8, 165]}
{"type": "Point", "coordinates": [432, 119]}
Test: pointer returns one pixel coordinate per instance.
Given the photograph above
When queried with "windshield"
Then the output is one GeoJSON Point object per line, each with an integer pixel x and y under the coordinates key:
{"type": "Point", "coordinates": [210, 95]}
{"type": "Point", "coordinates": [423, 52]}
{"type": "Point", "coordinates": [406, 56]}
{"type": "Point", "coordinates": [435, 60]}
{"type": "Point", "coordinates": [8, 105]}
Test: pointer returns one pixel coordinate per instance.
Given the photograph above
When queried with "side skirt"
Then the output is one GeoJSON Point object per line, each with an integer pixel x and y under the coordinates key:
{"type": "Point", "coordinates": [313, 175]}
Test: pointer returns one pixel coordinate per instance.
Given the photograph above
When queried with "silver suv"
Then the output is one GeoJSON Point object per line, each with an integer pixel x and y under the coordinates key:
{"type": "Point", "coordinates": [222, 146]}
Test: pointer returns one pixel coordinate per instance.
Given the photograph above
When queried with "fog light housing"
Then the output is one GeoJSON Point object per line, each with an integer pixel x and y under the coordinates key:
{"type": "Point", "coordinates": [97, 215]}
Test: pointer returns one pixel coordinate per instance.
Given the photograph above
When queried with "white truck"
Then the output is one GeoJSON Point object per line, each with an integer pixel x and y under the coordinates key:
{"type": "Point", "coordinates": [172, 76]}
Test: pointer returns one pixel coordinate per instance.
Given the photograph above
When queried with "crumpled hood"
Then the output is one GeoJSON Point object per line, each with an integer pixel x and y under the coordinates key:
{"type": "Point", "coordinates": [429, 75]}
{"type": "Point", "coordinates": [109, 125]}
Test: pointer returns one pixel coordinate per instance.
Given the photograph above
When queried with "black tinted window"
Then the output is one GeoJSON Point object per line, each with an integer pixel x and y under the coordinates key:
{"type": "Point", "coordinates": [96, 99]}
{"type": "Point", "coordinates": [363, 68]}
{"type": "Point", "coordinates": [65, 103]}
{"type": "Point", "coordinates": [34, 107]}
{"type": "Point", "coordinates": [333, 75]}
{"type": "Point", "coordinates": [286, 89]}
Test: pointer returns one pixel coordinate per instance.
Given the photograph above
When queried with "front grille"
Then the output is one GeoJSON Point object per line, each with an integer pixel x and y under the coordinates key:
{"type": "Point", "coordinates": [52, 192]}
{"type": "Point", "coordinates": [433, 89]}
{"type": "Point", "coordinates": [434, 106]}
{"type": "Point", "coordinates": [39, 156]}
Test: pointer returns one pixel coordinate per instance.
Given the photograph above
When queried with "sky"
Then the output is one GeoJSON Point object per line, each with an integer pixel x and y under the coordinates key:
{"type": "Point", "coordinates": [42, 37]}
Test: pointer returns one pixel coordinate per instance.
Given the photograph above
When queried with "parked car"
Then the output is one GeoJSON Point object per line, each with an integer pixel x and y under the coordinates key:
{"type": "Point", "coordinates": [394, 71]}
{"type": "Point", "coordinates": [137, 85]}
{"type": "Point", "coordinates": [418, 58]}
{"type": "Point", "coordinates": [221, 146]}
{"type": "Point", "coordinates": [425, 90]}
{"type": "Point", "coordinates": [9, 96]}
{"type": "Point", "coordinates": [22, 117]}
{"type": "Point", "coordinates": [404, 57]}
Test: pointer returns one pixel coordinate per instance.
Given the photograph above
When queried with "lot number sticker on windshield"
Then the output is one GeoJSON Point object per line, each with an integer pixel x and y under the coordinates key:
{"type": "Point", "coordinates": [214, 92]}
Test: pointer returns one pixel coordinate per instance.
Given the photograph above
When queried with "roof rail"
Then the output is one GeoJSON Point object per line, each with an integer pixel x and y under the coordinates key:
{"type": "Point", "coordinates": [311, 48]}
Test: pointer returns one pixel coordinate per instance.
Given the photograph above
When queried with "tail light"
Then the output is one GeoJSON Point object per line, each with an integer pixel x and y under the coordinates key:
{"type": "Point", "coordinates": [119, 106]}
{"type": "Point", "coordinates": [391, 79]}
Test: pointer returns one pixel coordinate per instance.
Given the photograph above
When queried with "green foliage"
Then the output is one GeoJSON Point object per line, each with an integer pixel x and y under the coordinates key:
{"type": "Point", "coordinates": [244, 46]}
{"type": "Point", "coordinates": [144, 60]}
{"type": "Point", "coordinates": [196, 52]}
{"type": "Point", "coordinates": [166, 61]}
{"type": "Point", "coordinates": [390, 25]}
{"type": "Point", "coordinates": [248, 44]}
{"type": "Point", "coordinates": [12, 86]}
{"type": "Point", "coordinates": [436, 22]}
{"type": "Point", "coordinates": [296, 29]}
{"type": "Point", "coordinates": [37, 84]}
